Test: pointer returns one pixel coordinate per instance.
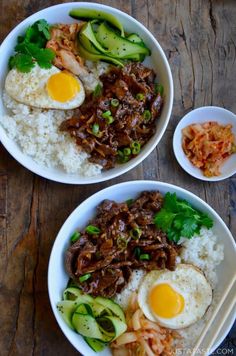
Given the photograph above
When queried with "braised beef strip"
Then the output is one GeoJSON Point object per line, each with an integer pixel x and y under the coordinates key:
{"type": "Point", "coordinates": [127, 232]}
{"type": "Point", "coordinates": [131, 121]}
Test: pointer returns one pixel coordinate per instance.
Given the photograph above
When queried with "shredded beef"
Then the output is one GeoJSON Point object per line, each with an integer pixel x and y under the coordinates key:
{"type": "Point", "coordinates": [112, 254]}
{"type": "Point", "coordinates": [133, 86]}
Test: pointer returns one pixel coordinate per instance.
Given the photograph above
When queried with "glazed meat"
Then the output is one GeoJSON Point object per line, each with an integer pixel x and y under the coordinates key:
{"type": "Point", "coordinates": [114, 126]}
{"type": "Point", "coordinates": [125, 239]}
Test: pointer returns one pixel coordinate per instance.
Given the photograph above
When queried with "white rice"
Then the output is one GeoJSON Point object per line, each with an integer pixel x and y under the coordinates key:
{"type": "Point", "coordinates": [202, 251]}
{"type": "Point", "coordinates": [37, 133]}
{"type": "Point", "coordinates": [123, 298]}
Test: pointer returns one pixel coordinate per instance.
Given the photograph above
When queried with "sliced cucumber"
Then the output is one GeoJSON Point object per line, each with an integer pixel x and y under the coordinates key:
{"type": "Point", "coordinates": [87, 44]}
{"type": "Point", "coordinates": [97, 14]}
{"type": "Point", "coordinates": [116, 45]}
{"type": "Point", "coordinates": [87, 31]}
{"type": "Point", "coordinates": [97, 57]}
{"type": "Point", "coordinates": [98, 309]}
{"type": "Point", "coordinates": [71, 293]}
{"type": "Point", "coordinates": [95, 344]}
{"type": "Point", "coordinates": [66, 309]}
{"type": "Point", "coordinates": [111, 325]}
{"type": "Point", "coordinates": [84, 298]}
{"type": "Point", "coordinates": [84, 309]}
{"type": "Point", "coordinates": [133, 37]}
{"type": "Point", "coordinates": [114, 307]}
{"type": "Point", "coordinates": [86, 325]}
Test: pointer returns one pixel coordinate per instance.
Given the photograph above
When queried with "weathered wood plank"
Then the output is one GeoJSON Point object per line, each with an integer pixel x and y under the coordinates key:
{"type": "Point", "coordinates": [3, 195]}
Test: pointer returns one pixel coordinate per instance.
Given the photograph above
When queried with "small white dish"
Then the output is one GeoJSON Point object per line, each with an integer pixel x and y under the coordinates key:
{"type": "Point", "coordinates": [200, 115]}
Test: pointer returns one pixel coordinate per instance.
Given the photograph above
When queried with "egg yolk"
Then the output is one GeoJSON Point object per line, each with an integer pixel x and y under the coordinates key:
{"type": "Point", "coordinates": [62, 87]}
{"type": "Point", "coordinates": [165, 302]}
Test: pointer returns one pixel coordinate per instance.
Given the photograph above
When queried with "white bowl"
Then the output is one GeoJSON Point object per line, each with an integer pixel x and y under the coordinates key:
{"type": "Point", "coordinates": [158, 61]}
{"type": "Point", "coordinates": [200, 115]}
{"type": "Point", "coordinates": [57, 277]}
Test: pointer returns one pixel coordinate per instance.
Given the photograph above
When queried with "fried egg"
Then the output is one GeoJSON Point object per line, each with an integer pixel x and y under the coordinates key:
{"type": "Point", "coordinates": [45, 88]}
{"type": "Point", "coordinates": [175, 299]}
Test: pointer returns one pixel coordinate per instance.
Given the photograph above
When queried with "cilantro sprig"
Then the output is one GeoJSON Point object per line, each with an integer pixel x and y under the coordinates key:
{"type": "Point", "coordinates": [179, 219]}
{"type": "Point", "coordinates": [30, 48]}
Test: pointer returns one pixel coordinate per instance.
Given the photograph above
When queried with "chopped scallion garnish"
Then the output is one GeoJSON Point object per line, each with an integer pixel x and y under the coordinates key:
{"type": "Point", "coordinates": [140, 96]}
{"type": "Point", "coordinates": [135, 146]}
{"type": "Point", "coordinates": [114, 103]}
{"type": "Point", "coordinates": [127, 151]}
{"type": "Point", "coordinates": [75, 236]}
{"type": "Point", "coordinates": [92, 230]}
{"type": "Point", "coordinates": [136, 233]}
{"type": "Point", "coordinates": [147, 115]}
{"type": "Point", "coordinates": [144, 257]}
{"type": "Point", "coordinates": [85, 277]}
{"type": "Point", "coordinates": [159, 89]}
{"type": "Point", "coordinates": [109, 120]}
{"type": "Point", "coordinates": [95, 129]}
{"type": "Point", "coordinates": [122, 242]}
{"type": "Point", "coordinates": [106, 114]}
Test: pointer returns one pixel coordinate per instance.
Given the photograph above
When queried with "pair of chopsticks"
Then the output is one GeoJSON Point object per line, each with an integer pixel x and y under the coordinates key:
{"type": "Point", "coordinates": [208, 345]}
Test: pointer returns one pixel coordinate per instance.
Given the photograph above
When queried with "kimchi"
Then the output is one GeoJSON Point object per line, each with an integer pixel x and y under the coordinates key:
{"type": "Point", "coordinates": [207, 145]}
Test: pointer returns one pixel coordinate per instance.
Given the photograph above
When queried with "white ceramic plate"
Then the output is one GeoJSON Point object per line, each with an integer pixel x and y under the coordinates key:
{"type": "Point", "coordinates": [57, 277]}
{"type": "Point", "coordinates": [200, 115]}
{"type": "Point", "coordinates": [158, 61]}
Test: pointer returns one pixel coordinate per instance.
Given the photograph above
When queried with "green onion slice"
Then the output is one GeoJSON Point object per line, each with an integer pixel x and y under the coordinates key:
{"type": "Point", "coordinates": [144, 256]}
{"type": "Point", "coordinates": [75, 236]}
{"type": "Point", "coordinates": [85, 277]}
{"type": "Point", "coordinates": [159, 89]}
{"type": "Point", "coordinates": [137, 252]}
{"type": "Point", "coordinates": [140, 96]}
{"type": "Point", "coordinates": [109, 120]}
{"type": "Point", "coordinates": [114, 103]}
{"type": "Point", "coordinates": [136, 233]}
{"type": "Point", "coordinates": [92, 230]}
{"type": "Point", "coordinates": [106, 114]}
{"type": "Point", "coordinates": [129, 202]}
{"type": "Point", "coordinates": [147, 115]}
{"type": "Point", "coordinates": [127, 151]}
{"type": "Point", "coordinates": [135, 146]}
{"type": "Point", "coordinates": [122, 242]}
{"type": "Point", "coordinates": [95, 129]}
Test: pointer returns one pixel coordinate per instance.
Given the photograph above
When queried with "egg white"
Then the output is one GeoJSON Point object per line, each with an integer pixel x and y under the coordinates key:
{"type": "Point", "coordinates": [186, 280]}
{"type": "Point", "coordinates": [30, 89]}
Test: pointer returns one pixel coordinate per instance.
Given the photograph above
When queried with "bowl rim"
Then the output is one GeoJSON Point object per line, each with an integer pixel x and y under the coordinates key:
{"type": "Point", "coordinates": [74, 178]}
{"type": "Point", "coordinates": [177, 138]}
{"type": "Point", "coordinates": [106, 191]}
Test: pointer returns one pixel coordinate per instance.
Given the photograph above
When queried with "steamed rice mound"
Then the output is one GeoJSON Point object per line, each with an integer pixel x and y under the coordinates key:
{"type": "Point", "coordinates": [37, 133]}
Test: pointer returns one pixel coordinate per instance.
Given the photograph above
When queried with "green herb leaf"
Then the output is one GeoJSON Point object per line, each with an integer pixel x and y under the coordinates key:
{"type": "Point", "coordinates": [44, 28]}
{"type": "Point", "coordinates": [45, 57]}
{"type": "Point", "coordinates": [164, 219]}
{"type": "Point", "coordinates": [23, 62]}
{"type": "Point", "coordinates": [189, 227]}
{"type": "Point", "coordinates": [30, 48]}
{"type": "Point", "coordinates": [179, 219]}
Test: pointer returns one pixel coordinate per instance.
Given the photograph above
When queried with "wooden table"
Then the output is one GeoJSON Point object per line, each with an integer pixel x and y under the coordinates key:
{"type": "Point", "coordinates": [199, 39]}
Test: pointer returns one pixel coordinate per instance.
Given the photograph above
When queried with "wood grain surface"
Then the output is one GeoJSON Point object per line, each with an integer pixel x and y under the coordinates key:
{"type": "Point", "coordinates": [199, 39]}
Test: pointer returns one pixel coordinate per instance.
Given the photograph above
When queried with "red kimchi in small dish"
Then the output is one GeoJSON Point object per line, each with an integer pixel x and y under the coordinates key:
{"type": "Point", "coordinates": [207, 145]}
